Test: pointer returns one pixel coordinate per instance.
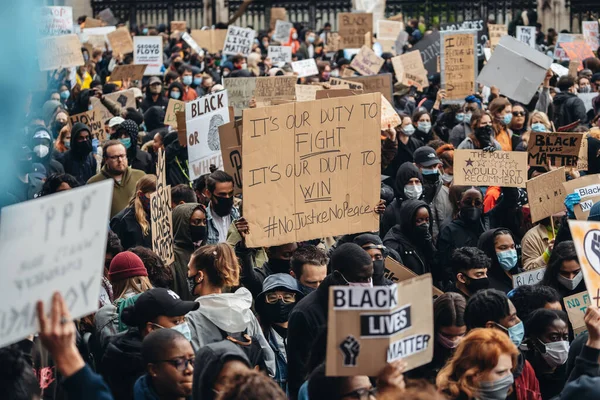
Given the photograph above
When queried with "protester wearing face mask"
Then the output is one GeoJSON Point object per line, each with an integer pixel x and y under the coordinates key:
{"type": "Point", "coordinates": [446, 155]}
{"type": "Point", "coordinates": [309, 267]}
{"type": "Point", "coordinates": [470, 269]}
{"type": "Point", "coordinates": [422, 123]}
{"type": "Point", "coordinates": [492, 309]}
{"type": "Point", "coordinates": [499, 246]}
{"type": "Point", "coordinates": [187, 78]}
{"type": "Point", "coordinates": [79, 160]}
{"type": "Point", "coordinates": [64, 94]}
{"type": "Point", "coordinates": [154, 96]}
{"type": "Point", "coordinates": [564, 272]}
{"type": "Point", "coordinates": [584, 85]}
{"type": "Point", "coordinates": [482, 135]}
{"type": "Point", "coordinates": [61, 119]}
{"type": "Point", "coordinates": [539, 122]}
{"type": "Point", "coordinates": [373, 245]}
{"type": "Point", "coordinates": [548, 349]}
{"type": "Point", "coordinates": [463, 129]}
{"type": "Point", "coordinates": [43, 148]}
{"type": "Point", "coordinates": [293, 41]}
{"type": "Point", "coordinates": [220, 212]}
{"type": "Point", "coordinates": [127, 133]}
{"type": "Point", "coordinates": [501, 111]}
{"type": "Point", "coordinates": [400, 149]}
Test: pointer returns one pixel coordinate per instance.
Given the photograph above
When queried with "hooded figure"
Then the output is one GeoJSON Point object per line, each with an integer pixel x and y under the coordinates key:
{"type": "Point", "coordinates": [183, 248]}
{"type": "Point", "coordinates": [49, 109]}
{"type": "Point", "coordinates": [136, 158]}
{"type": "Point", "coordinates": [412, 242]}
{"type": "Point", "coordinates": [79, 160]}
{"type": "Point", "coordinates": [391, 216]}
{"type": "Point", "coordinates": [176, 160]}
{"type": "Point", "coordinates": [177, 85]}
{"type": "Point", "coordinates": [154, 119]}
{"type": "Point", "coordinates": [43, 148]}
{"type": "Point", "coordinates": [568, 108]}
{"type": "Point", "coordinates": [209, 363]}
{"type": "Point", "coordinates": [148, 101]}
{"type": "Point", "coordinates": [498, 278]}
{"type": "Point", "coordinates": [369, 241]}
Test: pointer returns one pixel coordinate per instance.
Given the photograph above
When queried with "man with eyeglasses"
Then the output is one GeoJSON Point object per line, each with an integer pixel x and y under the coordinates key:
{"type": "Point", "coordinates": [116, 167]}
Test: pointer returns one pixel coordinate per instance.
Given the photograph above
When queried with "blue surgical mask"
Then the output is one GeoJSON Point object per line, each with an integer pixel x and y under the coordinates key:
{"type": "Point", "coordinates": [507, 259]}
{"type": "Point", "coordinates": [90, 107]}
{"type": "Point", "coordinates": [409, 130]}
{"type": "Point", "coordinates": [460, 117]}
{"type": "Point", "coordinates": [184, 329]}
{"type": "Point", "coordinates": [507, 118]}
{"type": "Point", "coordinates": [197, 81]}
{"type": "Point", "coordinates": [175, 95]}
{"type": "Point", "coordinates": [430, 171]}
{"type": "Point", "coordinates": [187, 80]}
{"type": "Point", "coordinates": [495, 390]}
{"type": "Point", "coordinates": [538, 127]}
{"type": "Point", "coordinates": [516, 333]}
{"type": "Point", "coordinates": [425, 126]}
{"type": "Point", "coordinates": [64, 94]}
{"type": "Point", "coordinates": [126, 142]}
{"type": "Point", "coordinates": [145, 31]}
{"type": "Point", "coordinates": [311, 39]}
{"type": "Point", "coordinates": [467, 119]}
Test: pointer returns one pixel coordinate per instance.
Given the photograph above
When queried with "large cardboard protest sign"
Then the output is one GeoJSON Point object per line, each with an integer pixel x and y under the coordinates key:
{"type": "Point", "coordinates": [509, 57]}
{"type": "Point", "coordinates": [576, 305]}
{"type": "Point", "coordinates": [396, 272]}
{"type": "Point", "coordinates": [578, 51]}
{"type": "Point", "coordinates": [546, 194]}
{"type": "Point", "coordinates": [556, 149]}
{"type": "Point", "coordinates": [367, 62]}
{"type": "Point", "coordinates": [337, 92]}
{"type": "Point", "coordinates": [389, 30]}
{"type": "Point", "coordinates": [203, 118]}
{"type": "Point", "coordinates": [93, 119]}
{"type": "Point", "coordinates": [496, 31]}
{"type": "Point", "coordinates": [120, 41]}
{"type": "Point", "coordinates": [148, 50]}
{"type": "Point", "coordinates": [238, 41]}
{"type": "Point", "coordinates": [458, 60]}
{"type": "Point", "coordinates": [351, 85]}
{"type": "Point", "coordinates": [532, 277]}
{"type": "Point", "coordinates": [526, 34]}
{"type": "Point", "coordinates": [410, 70]}
{"type": "Point", "coordinates": [128, 71]}
{"type": "Point", "coordinates": [230, 135]}
{"type": "Point", "coordinates": [352, 28]}
{"type": "Point", "coordinates": [588, 189]}
{"type": "Point", "coordinates": [282, 31]}
{"type": "Point", "coordinates": [192, 43]}
{"type": "Point", "coordinates": [590, 33]}
{"type": "Point", "coordinates": [277, 14]}
{"type": "Point", "coordinates": [269, 88]}
{"type": "Point", "coordinates": [483, 168]}
{"type": "Point", "coordinates": [56, 52]}
{"type": "Point", "coordinates": [305, 68]}
{"type": "Point", "coordinates": [311, 169]}
{"type": "Point", "coordinates": [57, 21]}
{"type": "Point", "coordinates": [389, 116]}
{"type": "Point", "coordinates": [280, 55]}
{"type": "Point", "coordinates": [307, 92]}
{"type": "Point", "coordinates": [161, 216]}
{"type": "Point", "coordinates": [381, 83]}
{"type": "Point", "coordinates": [240, 92]}
{"type": "Point", "coordinates": [173, 108]}
{"type": "Point", "coordinates": [477, 25]}
{"type": "Point", "coordinates": [211, 39]}
{"type": "Point", "coordinates": [586, 237]}
{"type": "Point", "coordinates": [429, 47]}
{"type": "Point", "coordinates": [94, 23]}
{"type": "Point", "coordinates": [369, 327]}
{"type": "Point", "coordinates": [54, 243]}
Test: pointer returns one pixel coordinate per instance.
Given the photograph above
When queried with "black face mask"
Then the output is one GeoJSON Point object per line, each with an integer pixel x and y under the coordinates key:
{"type": "Point", "coordinates": [474, 285]}
{"type": "Point", "coordinates": [470, 214]}
{"type": "Point", "coordinates": [177, 64]}
{"type": "Point", "coordinates": [198, 233]}
{"type": "Point", "coordinates": [484, 135]}
{"type": "Point", "coordinates": [431, 179]}
{"type": "Point", "coordinates": [221, 205]}
{"type": "Point", "coordinates": [422, 232]}
{"type": "Point", "coordinates": [278, 312]}
{"type": "Point", "coordinates": [279, 266]}
{"type": "Point", "coordinates": [83, 148]}
{"type": "Point", "coordinates": [57, 126]}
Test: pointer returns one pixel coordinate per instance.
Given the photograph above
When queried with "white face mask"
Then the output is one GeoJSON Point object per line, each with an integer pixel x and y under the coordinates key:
{"type": "Point", "coordinates": [556, 353]}
{"type": "Point", "coordinates": [409, 130]}
{"type": "Point", "coordinates": [362, 284]}
{"type": "Point", "coordinates": [570, 284]}
{"type": "Point", "coordinates": [41, 151]}
{"type": "Point", "coordinates": [413, 192]}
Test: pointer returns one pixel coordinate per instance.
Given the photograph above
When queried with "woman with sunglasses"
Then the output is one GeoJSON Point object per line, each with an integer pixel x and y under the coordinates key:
{"type": "Point", "coordinates": [519, 123]}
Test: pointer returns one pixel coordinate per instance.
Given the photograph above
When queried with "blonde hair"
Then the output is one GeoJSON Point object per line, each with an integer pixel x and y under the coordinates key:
{"type": "Point", "coordinates": [220, 264]}
{"type": "Point", "coordinates": [136, 284]}
{"type": "Point", "coordinates": [253, 60]}
{"type": "Point", "coordinates": [543, 117]}
{"type": "Point", "coordinates": [146, 185]}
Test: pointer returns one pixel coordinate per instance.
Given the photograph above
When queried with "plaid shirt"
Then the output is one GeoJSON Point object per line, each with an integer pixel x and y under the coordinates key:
{"type": "Point", "coordinates": [213, 232]}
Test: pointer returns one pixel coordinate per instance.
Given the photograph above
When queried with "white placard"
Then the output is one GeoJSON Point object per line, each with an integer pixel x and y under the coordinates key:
{"type": "Point", "coordinates": [192, 43]}
{"type": "Point", "coordinates": [99, 31]}
{"type": "Point", "coordinates": [203, 117]}
{"type": "Point", "coordinates": [280, 55]}
{"type": "Point", "coordinates": [526, 34]}
{"type": "Point", "coordinates": [282, 31]}
{"type": "Point", "coordinates": [305, 68]}
{"type": "Point", "coordinates": [532, 277]}
{"type": "Point", "coordinates": [50, 244]}
{"type": "Point", "coordinates": [149, 50]}
{"type": "Point", "coordinates": [238, 41]}
{"type": "Point", "coordinates": [56, 21]}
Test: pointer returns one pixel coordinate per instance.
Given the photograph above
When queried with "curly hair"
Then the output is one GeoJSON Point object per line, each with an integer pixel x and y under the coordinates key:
{"type": "Point", "coordinates": [55, 180]}
{"type": "Point", "coordinates": [159, 275]}
{"type": "Point", "coordinates": [251, 385]}
{"type": "Point", "coordinates": [486, 305]}
{"type": "Point", "coordinates": [528, 298]}
{"type": "Point", "coordinates": [220, 264]}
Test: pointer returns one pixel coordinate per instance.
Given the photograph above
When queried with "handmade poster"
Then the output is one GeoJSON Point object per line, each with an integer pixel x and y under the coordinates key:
{"type": "Point", "coordinates": [238, 41]}
{"type": "Point", "coordinates": [230, 135]}
{"type": "Point", "coordinates": [336, 92]}
{"type": "Point", "coordinates": [582, 162]}
{"type": "Point", "coordinates": [277, 14]}
{"type": "Point", "coordinates": [203, 117]}
{"type": "Point", "coordinates": [410, 70]}
{"type": "Point", "coordinates": [576, 305]}
{"type": "Point", "coordinates": [396, 272]}
{"type": "Point", "coordinates": [546, 194]}
{"type": "Point", "coordinates": [369, 327]}
{"type": "Point", "coordinates": [280, 55]}
{"type": "Point", "coordinates": [333, 42]}
{"type": "Point", "coordinates": [128, 71]}
{"type": "Point", "coordinates": [173, 108]}
{"type": "Point", "coordinates": [120, 41]}
{"type": "Point", "coordinates": [351, 85]}
{"type": "Point", "coordinates": [240, 92]}
{"type": "Point", "coordinates": [305, 68]}
{"type": "Point", "coordinates": [311, 169]}
{"type": "Point", "coordinates": [192, 43]}
{"type": "Point", "coordinates": [483, 168]}
{"type": "Point", "coordinates": [559, 53]}
{"type": "Point", "coordinates": [95, 41]}
{"type": "Point", "coordinates": [389, 30]}
{"type": "Point", "coordinates": [526, 34]}
{"type": "Point", "coordinates": [577, 51]}
{"type": "Point", "coordinates": [556, 149]}
{"type": "Point", "coordinates": [478, 25]}
{"type": "Point", "coordinates": [93, 23]}
{"type": "Point", "coordinates": [58, 20]}
{"type": "Point", "coordinates": [367, 62]}
{"type": "Point", "coordinates": [180, 26]}
{"type": "Point", "coordinates": [352, 28]}
{"type": "Point", "coordinates": [87, 33]}
{"type": "Point", "coordinates": [459, 65]}
{"type": "Point", "coordinates": [389, 116]}
{"type": "Point", "coordinates": [211, 39]}
{"type": "Point", "coordinates": [57, 52]}
{"type": "Point", "coordinates": [307, 92]}
{"type": "Point", "coordinates": [586, 237]}
{"type": "Point", "coordinates": [381, 83]}
{"type": "Point", "coordinates": [93, 119]}
{"type": "Point", "coordinates": [161, 216]}
{"type": "Point", "coordinates": [69, 232]}
{"type": "Point", "coordinates": [270, 88]}
{"type": "Point", "coordinates": [282, 31]}
{"type": "Point", "coordinates": [149, 51]}
{"type": "Point", "coordinates": [496, 31]}
{"type": "Point", "coordinates": [532, 277]}
{"type": "Point", "coordinates": [590, 33]}
{"type": "Point", "coordinates": [588, 189]}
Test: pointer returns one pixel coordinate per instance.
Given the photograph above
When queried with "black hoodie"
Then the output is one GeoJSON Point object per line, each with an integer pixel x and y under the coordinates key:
{"type": "Point", "coordinates": [498, 278]}
{"type": "Point", "coordinates": [161, 101]}
{"type": "Point", "coordinates": [177, 85]}
{"type": "Point", "coordinates": [122, 363]}
{"type": "Point", "coordinates": [79, 160]}
{"type": "Point", "coordinates": [568, 108]}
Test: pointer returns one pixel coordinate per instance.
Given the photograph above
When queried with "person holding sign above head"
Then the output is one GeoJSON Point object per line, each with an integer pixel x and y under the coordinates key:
{"type": "Point", "coordinates": [470, 267]}
{"type": "Point", "coordinates": [564, 272]}
{"type": "Point", "coordinates": [499, 245]}
{"type": "Point", "coordinates": [79, 160]}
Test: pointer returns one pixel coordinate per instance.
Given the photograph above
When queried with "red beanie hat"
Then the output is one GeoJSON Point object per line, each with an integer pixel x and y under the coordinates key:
{"type": "Point", "coordinates": [126, 265]}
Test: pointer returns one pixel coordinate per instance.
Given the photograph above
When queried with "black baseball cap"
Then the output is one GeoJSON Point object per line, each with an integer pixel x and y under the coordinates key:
{"type": "Point", "coordinates": [426, 156]}
{"type": "Point", "coordinates": [154, 303]}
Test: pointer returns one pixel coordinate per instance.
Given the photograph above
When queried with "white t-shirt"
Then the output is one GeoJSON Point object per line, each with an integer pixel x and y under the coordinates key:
{"type": "Point", "coordinates": [222, 224]}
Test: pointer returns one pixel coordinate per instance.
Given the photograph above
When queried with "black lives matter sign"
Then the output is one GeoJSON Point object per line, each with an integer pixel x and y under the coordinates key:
{"type": "Point", "coordinates": [238, 41]}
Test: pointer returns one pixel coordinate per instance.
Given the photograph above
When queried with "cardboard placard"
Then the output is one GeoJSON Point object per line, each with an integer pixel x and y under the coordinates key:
{"type": "Point", "coordinates": [57, 21]}
{"type": "Point", "coordinates": [556, 149]}
{"type": "Point", "coordinates": [269, 88]}
{"type": "Point", "coordinates": [588, 188]}
{"type": "Point", "coordinates": [586, 237]}
{"type": "Point", "coordinates": [367, 62]}
{"type": "Point", "coordinates": [173, 107]}
{"type": "Point", "coordinates": [96, 41]}
{"type": "Point", "coordinates": [192, 43]}
{"type": "Point", "coordinates": [483, 168]}
{"type": "Point", "coordinates": [120, 41]}
{"type": "Point", "coordinates": [389, 30]}
{"type": "Point", "coordinates": [333, 42]}
{"type": "Point", "coordinates": [94, 23]}
{"type": "Point", "coordinates": [280, 55]}
{"type": "Point", "coordinates": [203, 117]}
{"type": "Point", "coordinates": [590, 33]}
{"type": "Point", "coordinates": [128, 71]}
{"type": "Point", "coordinates": [352, 28]}
{"type": "Point", "coordinates": [180, 26]}
{"type": "Point", "coordinates": [578, 51]}
{"type": "Point", "coordinates": [126, 98]}
{"type": "Point", "coordinates": [409, 70]}
{"type": "Point", "coordinates": [305, 68]}
{"type": "Point", "coordinates": [181, 128]}
{"type": "Point", "coordinates": [230, 135]}
{"type": "Point", "coordinates": [240, 92]}
{"type": "Point", "coordinates": [496, 32]}
{"type": "Point", "coordinates": [277, 14]}
{"type": "Point", "coordinates": [458, 60]}
{"type": "Point", "coordinates": [582, 162]}
{"type": "Point", "coordinates": [107, 16]}
{"type": "Point", "coordinates": [526, 34]}
{"type": "Point", "coordinates": [311, 169]}
{"type": "Point", "coordinates": [546, 194]}
{"type": "Point", "coordinates": [337, 92]}
{"type": "Point", "coordinates": [307, 92]}
{"type": "Point", "coordinates": [149, 51]}
{"type": "Point", "coordinates": [381, 83]}
{"type": "Point", "coordinates": [576, 305]}
{"type": "Point", "coordinates": [389, 116]}
{"type": "Point", "coordinates": [211, 39]}
{"type": "Point", "coordinates": [73, 218]}
{"type": "Point", "coordinates": [351, 85]}
{"type": "Point", "coordinates": [161, 215]}
{"type": "Point", "coordinates": [282, 31]}
{"type": "Point", "coordinates": [397, 272]}
{"type": "Point", "coordinates": [369, 327]}
{"type": "Point", "coordinates": [429, 47]}
{"type": "Point", "coordinates": [56, 52]}
{"type": "Point", "coordinates": [532, 277]}
{"type": "Point", "coordinates": [477, 25]}
{"type": "Point", "coordinates": [93, 120]}
{"type": "Point", "coordinates": [238, 41]}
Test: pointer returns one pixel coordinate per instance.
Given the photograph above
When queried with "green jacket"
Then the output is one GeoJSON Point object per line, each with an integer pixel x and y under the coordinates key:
{"type": "Point", "coordinates": [123, 191]}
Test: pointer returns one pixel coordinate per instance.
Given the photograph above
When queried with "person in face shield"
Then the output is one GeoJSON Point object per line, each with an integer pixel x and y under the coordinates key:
{"type": "Point", "coordinates": [42, 144]}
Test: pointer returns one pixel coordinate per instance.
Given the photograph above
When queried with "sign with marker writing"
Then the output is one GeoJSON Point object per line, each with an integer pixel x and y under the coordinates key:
{"type": "Point", "coordinates": [54, 243]}
{"type": "Point", "coordinates": [282, 31]}
{"type": "Point", "coordinates": [369, 327]}
{"type": "Point", "coordinates": [161, 215]}
{"type": "Point", "coordinates": [586, 237]}
{"type": "Point", "coordinates": [203, 117]}
{"type": "Point", "coordinates": [526, 34]}
{"type": "Point", "coordinates": [546, 194]}
{"type": "Point", "coordinates": [351, 85]}
{"type": "Point", "coordinates": [231, 150]}
{"type": "Point", "coordinates": [128, 71]}
{"type": "Point", "coordinates": [410, 70]}
{"type": "Point", "coordinates": [389, 116]}
{"type": "Point", "coordinates": [58, 20]}
{"type": "Point", "coordinates": [458, 60]}
{"type": "Point", "coordinates": [311, 169]}
{"type": "Point", "coordinates": [367, 62]}
{"type": "Point", "coordinates": [483, 168]}
{"type": "Point", "coordinates": [173, 107]}
{"type": "Point", "coordinates": [238, 41]}
{"type": "Point", "coordinates": [590, 33]}
{"type": "Point", "coordinates": [93, 120]}
{"type": "Point", "coordinates": [576, 306]}
{"type": "Point", "coordinates": [381, 83]}
{"type": "Point", "coordinates": [588, 189]}
{"type": "Point", "coordinates": [240, 92]}
{"type": "Point", "coordinates": [149, 50]}
{"type": "Point", "coordinates": [192, 43]}
{"type": "Point", "coordinates": [429, 47]}
{"type": "Point", "coordinates": [120, 41]}
{"type": "Point", "coordinates": [305, 68]}
{"type": "Point", "coordinates": [478, 25]}
{"type": "Point", "coordinates": [56, 52]}
{"type": "Point", "coordinates": [557, 149]}
{"type": "Point", "coordinates": [559, 53]}
{"type": "Point", "coordinates": [352, 28]}
{"type": "Point", "coordinates": [578, 51]}
{"type": "Point", "coordinates": [280, 55]}
{"type": "Point", "coordinates": [496, 31]}
{"type": "Point", "coordinates": [532, 277]}
{"type": "Point", "coordinates": [271, 88]}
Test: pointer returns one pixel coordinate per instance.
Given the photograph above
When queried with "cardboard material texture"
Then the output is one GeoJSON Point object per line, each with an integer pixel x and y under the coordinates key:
{"type": "Point", "coordinates": [337, 92]}
{"type": "Point", "coordinates": [238, 41]}
{"type": "Point", "coordinates": [128, 71]}
{"type": "Point", "coordinates": [56, 52]}
{"type": "Point", "coordinates": [578, 51]}
{"type": "Point", "coordinates": [31, 273]}
{"type": "Point", "coordinates": [280, 55]}
{"type": "Point", "coordinates": [307, 92]}
{"type": "Point", "coordinates": [389, 30]}
{"type": "Point", "coordinates": [94, 23]}
{"type": "Point", "coordinates": [230, 135]}
{"type": "Point", "coordinates": [389, 116]}
{"type": "Point", "coordinates": [482, 168]}
{"type": "Point", "coordinates": [546, 194]}
{"type": "Point", "coordinates": [526, 34]}
{"type": "Point", "coordinates": [211, 39]}
{"type": "Point", "coordinates": [586, 237]}
{"type": "Point", "coordinates": [282, 31]}
{"type": "Point", "coordinates": [410, 70]}
{"type": "Point", "coordinates": [240, 92]}
{"type": "Point", "coordinates": [582, 162]}
{"type": "Point", "coordinates": [181, 128]}
{"type": "Point", "coordinates": [203, 117]}
{"type": "Point", "coordinates": [496, 32]}
{"type": "Point", "coordinates": [590, 33]}
{"type": "Point", "coordinates": [429, 47]}
{"type": "Point", "coordinates": [192, 43]}
{"type": "Point", "coordinates": [311, 169]}
{"type": "Point", "coordinates": [173, 108]}
{"type": "Point", "coordinates": [180, 26]}
{"type": "Point", "coordinates": [576, 305]}
{"type": "Point", "coordinates": [305, 68]}
{"type": "Point", "coordinates": [161, 215]}
{"type": "Point", "coordinates": [333, 42]}
{"type": "Point", "coordinates": [397, 272]}
{"type": "Point", "coordinates": [277, 14]}
{"type": "Point", "coordinates": [458, 59]}
{"type": "Point", "coordinates": [478, 25]}
{"type": "Point", "coordinates": [556, 149]}
{"type": "Point", "coordinates": [273, 88]}
{"type": "Point", "coordinates": [351, 85]}
{"type": "Point", "coordinates": [352, 28]}
{"type": "Point", "coordinates": [149, 50]}
{"type": "Point", "coordinates": [381, 83]}
{"type": "Point", "coordinates": [367, 62]}
{"type": "Point", "coordinates": [532, 277]}
{"type": "Point", "coordinates": [364, 333]}
{"type": "Point", "coordinates": [120, 41]}
{"type": "Point", "coordinates": [588, 188]}
{"type": "Point", "coordinates": [56, 21]}
{"type": "Point", "coordinates": [93, 120]}
{"type": "Point", "coordinates": [512, 57]}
